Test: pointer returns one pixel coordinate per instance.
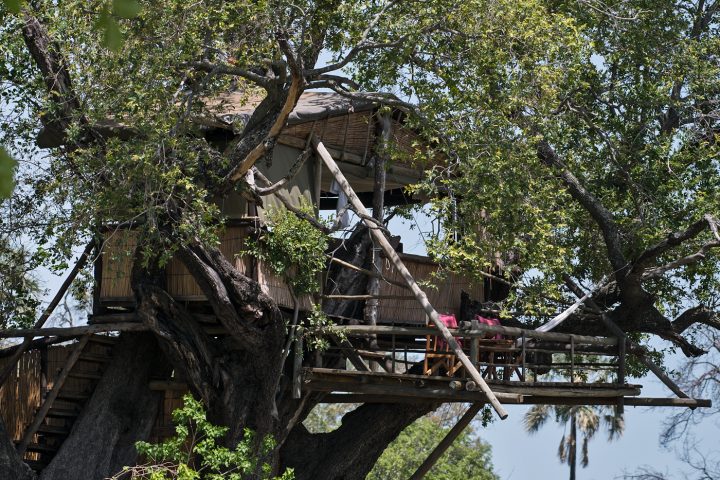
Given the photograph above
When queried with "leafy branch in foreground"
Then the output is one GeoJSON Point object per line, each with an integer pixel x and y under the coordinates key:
{"type": "Point", "coordinates": [194, 454]}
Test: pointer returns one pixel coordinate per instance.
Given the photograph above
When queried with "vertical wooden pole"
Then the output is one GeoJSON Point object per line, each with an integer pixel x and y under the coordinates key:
{"type": "Point", "coordinates": [474, 344]}
{"type": "Point", "coordinates": [447, 441]}
{"type": "Point", "coordinates": [297, 364]}
{"type": "Point", "coordinates": [572, 359]}
{"type": "Point", "coordinates": [420, 296]}
{"type": "Point", "coordinates": [522, 358]}
{"type": "Point", "coordinates": [378, 203]}
{"type": "Point", "coordinates": [622, 346]}
{"type": "Point", "coordinates": [43, 371]}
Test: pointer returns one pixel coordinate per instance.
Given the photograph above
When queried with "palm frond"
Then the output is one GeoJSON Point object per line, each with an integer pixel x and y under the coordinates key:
{"type": "Point", "coordinates": [585, 456]}
{"type": "Point", "coordinates": [536, 417]}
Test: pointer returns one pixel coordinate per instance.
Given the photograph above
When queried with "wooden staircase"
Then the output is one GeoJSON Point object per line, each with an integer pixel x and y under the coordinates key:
{"type": "Point", "coordinates": [72, 387]}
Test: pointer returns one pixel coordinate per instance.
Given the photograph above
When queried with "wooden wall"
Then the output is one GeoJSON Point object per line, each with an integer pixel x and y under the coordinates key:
{"type": "Point", "coordinates": [443, 292]}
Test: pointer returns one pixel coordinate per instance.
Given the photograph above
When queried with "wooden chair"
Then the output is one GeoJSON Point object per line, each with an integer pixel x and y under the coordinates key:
{"type": "Point", "coordinates": [439, 359]}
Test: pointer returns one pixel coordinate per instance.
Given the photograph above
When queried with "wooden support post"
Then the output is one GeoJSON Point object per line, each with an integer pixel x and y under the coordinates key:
{"type": "Point", "coordinates": [522, 359]}
{"type": "Point", "coordinates": [447, 441]}
{"type": "Point", "coordinates": [572, 360]}
{"type": "Point", "coordinates": [622, 347]}
{"type": "Point", "coordinates": [297, 364]}
{"type": "Point", "coordinates": [52, 395]}
{"type": "Point", "coordinates": [48, 311]}
{"type": "Point", "coordinates": [373, 286]}
{"type": "Point", "coordinates": [421, 297]}
{"type": "Point", "coordinates": [474, 345]}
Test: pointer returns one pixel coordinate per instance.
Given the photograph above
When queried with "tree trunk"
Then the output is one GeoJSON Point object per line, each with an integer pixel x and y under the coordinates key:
{"type": "Point", "coordinates": [121, 411]}
{"type": "Point", "coordinates": [11, 466]}
{"type": "Point", "coordinates": [350, 451]}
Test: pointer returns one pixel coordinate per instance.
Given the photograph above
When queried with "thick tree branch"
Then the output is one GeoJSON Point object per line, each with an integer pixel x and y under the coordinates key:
{"type": "Point", "coordinates": [673, 240]}
{"type": "Point", "coordinates": [182, 339]}
{"type": "Point", "coordinates": [206, 274]}
{"type": "Point", "coordinates": [245, 154]}
{"type": "Point", "coordinates": [228, 69]}
{"type": "Point", "coordinates": [345, 454]}
{"type": "Point", "coordinates": [53, 68]}
{"type": "Point", "coordinates": [699, 314]}
{"type": "Point", "coordinates": [597, 210]}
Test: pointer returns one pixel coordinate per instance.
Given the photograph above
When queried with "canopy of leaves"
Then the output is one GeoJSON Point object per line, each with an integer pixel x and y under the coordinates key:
{"type": "Point", "coordinates": [625, 93]}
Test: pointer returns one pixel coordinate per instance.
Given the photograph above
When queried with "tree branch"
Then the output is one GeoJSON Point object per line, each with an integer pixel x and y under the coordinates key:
{"type": "Point", "coordinates": [273, 131]}
{"type": "Point", "coordinates": [698, 314]}
{"type": "Point", "coordinates": [673, 240]}
{"type": "Point", "coordinates": [597, 210]}
{"type": "Point", "coordinates": [228, 69]}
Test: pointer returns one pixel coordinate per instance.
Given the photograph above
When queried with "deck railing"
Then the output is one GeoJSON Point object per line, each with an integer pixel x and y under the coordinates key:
{"type": "Point", "coordinates": [500, 353]}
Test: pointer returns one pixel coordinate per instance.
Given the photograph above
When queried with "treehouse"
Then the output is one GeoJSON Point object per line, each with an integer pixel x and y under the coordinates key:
{"type": "Point", "coordinates": [350, 131]}
{"type": "Point", "coordinates": [424, 344]}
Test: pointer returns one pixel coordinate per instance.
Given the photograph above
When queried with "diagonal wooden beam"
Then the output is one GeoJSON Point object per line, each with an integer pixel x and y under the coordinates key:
{"type": "Point", "coordinates": [447, 441]}
{"type": "Point", "coordinates": [421, 297]}
{"type": "Point", "coordinates": [350, 352]}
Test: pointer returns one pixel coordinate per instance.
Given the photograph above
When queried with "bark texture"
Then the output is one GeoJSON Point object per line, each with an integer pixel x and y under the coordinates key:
{"type": "Point", "coordinates": [350, 451]}
{"type": "Point", "coordinates": [11, 466]}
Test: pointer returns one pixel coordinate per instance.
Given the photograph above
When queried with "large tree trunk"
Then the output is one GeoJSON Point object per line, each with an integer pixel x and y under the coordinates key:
{"type": "Point", "coordinates": [11, 466]}
{"type": "Point", "coordinates": [350, 451]}
{"type": "Point", "coordinates": [121, 411]}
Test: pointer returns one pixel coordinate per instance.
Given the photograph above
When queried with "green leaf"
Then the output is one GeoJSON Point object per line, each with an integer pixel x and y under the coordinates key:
{"type": "Point", "coordinates": [112, 37]}
{"type": "Point", "coordinates": [126, 8]}
{"type": "Point", "coordinates": [13, 6]}
{"type": "Point", "coordinates": [7, 170]}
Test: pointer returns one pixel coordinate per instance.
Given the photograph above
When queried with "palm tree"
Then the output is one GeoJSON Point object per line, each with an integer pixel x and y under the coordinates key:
{"type": "Point", "coordinates": [587, 419]}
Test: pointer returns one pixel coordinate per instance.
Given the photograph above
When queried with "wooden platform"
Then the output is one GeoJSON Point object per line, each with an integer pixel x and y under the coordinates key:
{"type": "Point", "coordinates": [421, 387]}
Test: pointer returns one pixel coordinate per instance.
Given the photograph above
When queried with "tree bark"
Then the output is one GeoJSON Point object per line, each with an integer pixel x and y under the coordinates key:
{"type": "Point", "coordinates": [350, 451]}
{"type": "Point", "coordinates": [121, 411]}
{"type": "Point", "coordinates": [11, 465]}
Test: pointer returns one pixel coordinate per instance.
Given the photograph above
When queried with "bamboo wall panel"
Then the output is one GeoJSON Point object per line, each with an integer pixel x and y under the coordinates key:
{"type": "Point", "coordinates": [445, 296]}
{"type": "Point", "coordinates": [117, 265]}
{"type": "Point", "coordinates": [443, 293]}
{"type": "Point", "coordinates": [20, 395]}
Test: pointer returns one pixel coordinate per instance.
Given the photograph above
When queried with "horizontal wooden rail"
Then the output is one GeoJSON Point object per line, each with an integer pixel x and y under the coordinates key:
{"type": "Point", "coordinates": [480, 331]}
{"type": "Point", "coordinates": [526, 400]}
{"type": "Point", "coordinates": [73, 331]}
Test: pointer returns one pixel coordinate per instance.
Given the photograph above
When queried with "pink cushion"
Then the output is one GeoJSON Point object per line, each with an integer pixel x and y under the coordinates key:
{"type": "Point", "coordinates": [450, 322]}
{"type": "Point", "coordinates": [489, 321]}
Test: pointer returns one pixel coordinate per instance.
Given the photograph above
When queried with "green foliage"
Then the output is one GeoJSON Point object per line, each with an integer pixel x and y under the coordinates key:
{"type": "Point", "coordinates": [12, 6]}
{"type": "Point", "coordinates": [7, 170]}
{"type": "Point", "coordinates": [19, 290]}
{"type": "Point", "coordinates": [194, 453]}
{"type": "Point", "coordinates": [317, 328]}
{"type": "Point", "coordinates": [293, 248]}
{"type": "Point", "coordinates": [467, 458]}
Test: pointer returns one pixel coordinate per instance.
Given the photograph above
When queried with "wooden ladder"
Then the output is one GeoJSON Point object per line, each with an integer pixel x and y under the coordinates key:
{"type": "Point", "coordinates": [52, 422]}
